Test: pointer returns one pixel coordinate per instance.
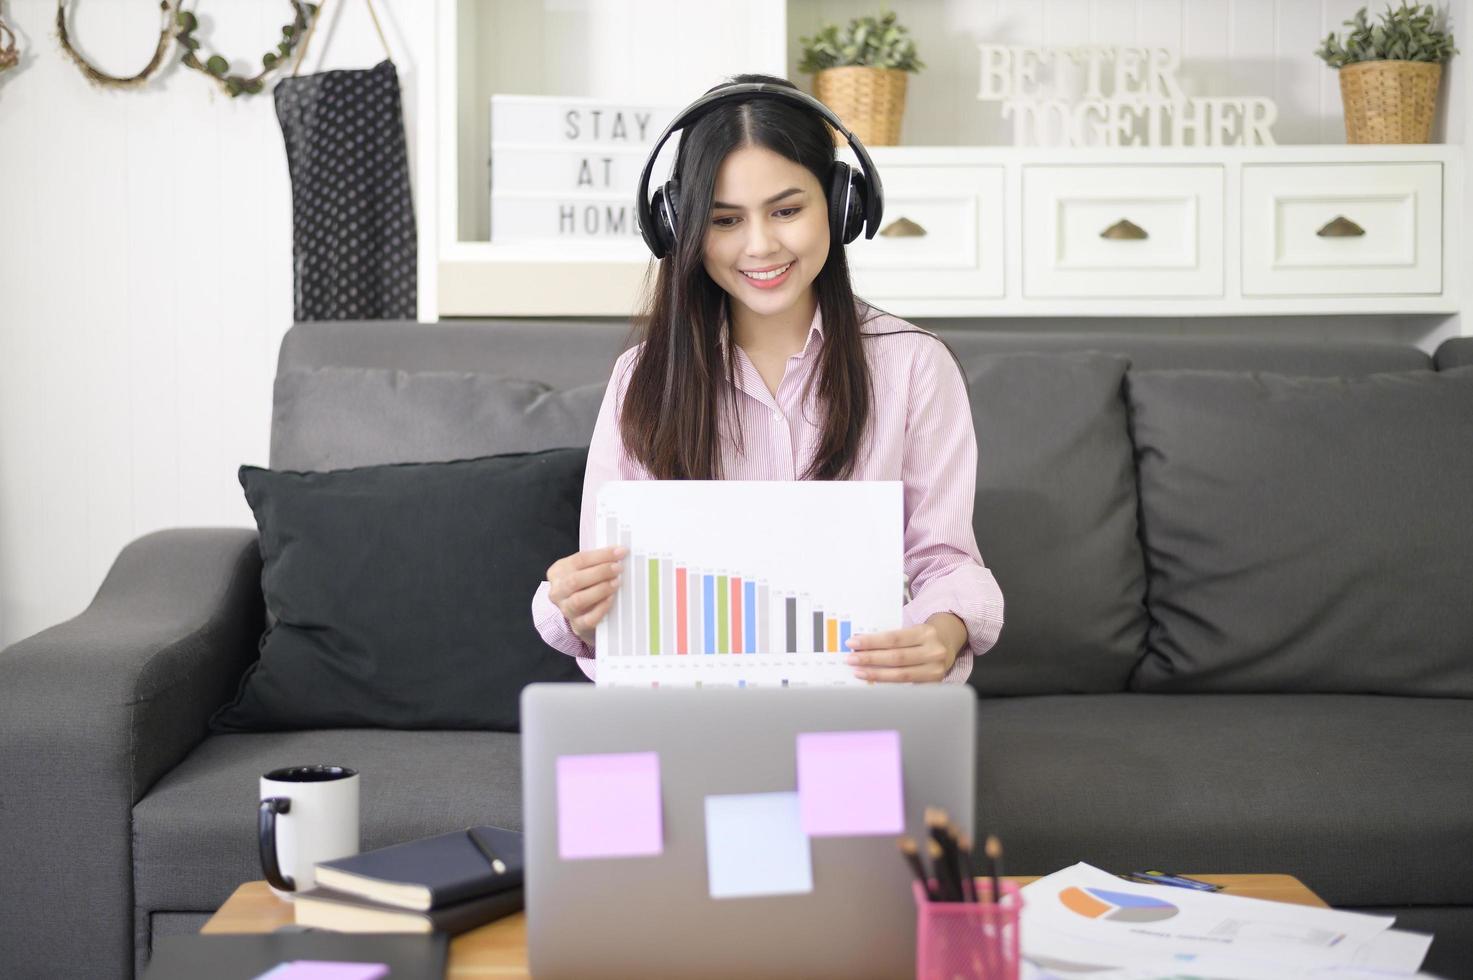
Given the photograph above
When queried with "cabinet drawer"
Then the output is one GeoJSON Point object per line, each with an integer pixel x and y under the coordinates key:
{"type": "Point", "coordinates": [1111, 231]}
{"type": "Point", "coordinates": [1345, 229]}
{"type": "Point", "coordinates": [941, 236]}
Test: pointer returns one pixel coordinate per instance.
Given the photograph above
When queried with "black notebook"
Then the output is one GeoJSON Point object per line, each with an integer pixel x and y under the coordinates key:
{"type": "Point", "coordinates": [323, 908]}
{"type": "Point", "coordinates": [431, 872]}
{"type": "Point", "coordinates": [244, 957]}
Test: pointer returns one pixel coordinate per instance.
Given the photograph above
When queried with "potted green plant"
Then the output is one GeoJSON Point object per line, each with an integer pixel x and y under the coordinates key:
{"type": "Point", "coordinates": [1389, 73]}
{"type": "Point", "coordinates": [860, 73]}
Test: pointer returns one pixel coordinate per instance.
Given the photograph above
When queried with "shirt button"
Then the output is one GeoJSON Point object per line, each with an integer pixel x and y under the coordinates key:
{"type": "Point", "coordinates": [777, 416]}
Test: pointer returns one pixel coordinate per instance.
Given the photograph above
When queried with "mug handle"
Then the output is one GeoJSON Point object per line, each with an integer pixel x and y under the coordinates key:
{"type": "Point", "coordinates": [266, 827]}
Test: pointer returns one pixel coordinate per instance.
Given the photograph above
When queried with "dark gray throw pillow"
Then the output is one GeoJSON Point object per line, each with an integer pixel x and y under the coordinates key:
{"type": "Point", "coordinates": [337, 417]}
{"type": "Point", "coordinates": [402, 593]}
{"type": "Point", "coordinates": [1055, 517]}
{"type": "Point", "coordinates": [1306, 534]}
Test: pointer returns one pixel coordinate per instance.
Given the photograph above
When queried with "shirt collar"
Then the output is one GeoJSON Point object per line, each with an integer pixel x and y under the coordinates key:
{"type": "Point", "coordinates": [815, 329]}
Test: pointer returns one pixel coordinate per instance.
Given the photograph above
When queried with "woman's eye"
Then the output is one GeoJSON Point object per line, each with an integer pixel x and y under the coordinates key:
{"type": "Point", "coordinates": [726, 222]}
{"type": "Point", "coordinates": [787, 212]}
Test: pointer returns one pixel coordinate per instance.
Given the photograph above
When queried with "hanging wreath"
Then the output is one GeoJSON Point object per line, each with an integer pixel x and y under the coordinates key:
{"type": "Point", "coordinates": [9, 53]}
{"type": "Point", "coordinates": [96, 75]}
{"type": "Point", "coordinates": [218, 67]}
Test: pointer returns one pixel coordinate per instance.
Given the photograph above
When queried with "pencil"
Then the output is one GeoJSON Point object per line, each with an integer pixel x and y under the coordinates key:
{"type": "Point", "coordinates": [993, 849]}
{"type": "Point", "coordinates": [950, 882]}
{"type": "Point", "coordinates": [913, 858]}
{"type": "Point", "coordinates": [496, 863]}
{"type": "Point", "coordinates": [964, 863]}
{"type": "Point", "coordinates": [944, 884]}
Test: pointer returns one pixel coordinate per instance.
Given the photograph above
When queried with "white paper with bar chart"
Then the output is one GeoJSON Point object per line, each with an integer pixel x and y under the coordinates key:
{"type": "Point", "coordinates": [736, 583]}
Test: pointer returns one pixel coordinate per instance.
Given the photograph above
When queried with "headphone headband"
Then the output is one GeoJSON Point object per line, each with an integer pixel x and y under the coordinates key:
{"type": "Point", "coordinates": [874, 199]}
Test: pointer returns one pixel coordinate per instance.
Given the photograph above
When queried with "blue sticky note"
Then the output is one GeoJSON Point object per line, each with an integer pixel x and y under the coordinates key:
{"type": "Point", "coordinates": [755, 845]}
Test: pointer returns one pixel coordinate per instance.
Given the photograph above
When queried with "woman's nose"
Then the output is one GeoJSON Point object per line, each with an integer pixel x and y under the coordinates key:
{"type": "Point", "coordinates": [759, 238]}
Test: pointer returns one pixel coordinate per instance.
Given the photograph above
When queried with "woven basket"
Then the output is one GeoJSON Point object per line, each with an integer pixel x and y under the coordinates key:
{"type": "Point", "coordinates": [1389, 101]}
{"type": "Point", "coordinates": [870, 101]}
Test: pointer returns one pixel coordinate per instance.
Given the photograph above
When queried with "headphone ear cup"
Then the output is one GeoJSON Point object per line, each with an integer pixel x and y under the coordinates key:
{"type": "Point", "coordinates": [665, 206]}
{"type": "Point", "coordinates": [846, 202]}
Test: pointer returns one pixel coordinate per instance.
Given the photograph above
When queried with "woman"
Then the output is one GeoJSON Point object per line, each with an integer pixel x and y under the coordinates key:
{"type": "Point", "coordinates": [758, 363]}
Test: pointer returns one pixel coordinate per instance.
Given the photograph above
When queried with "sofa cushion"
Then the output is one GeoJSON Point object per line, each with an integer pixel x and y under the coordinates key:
{"type": "Point", "coordinates": [1365, 799]}
{"type": "Point", "coordinates": [194, 837]}
{"type": "Point", "coordinates": [400, 593]}
{"type": "Point", "coordinates": [339, 417]}
{"type": "Point", "coordinates": [1055, 517]}
{"type": "Point", "coordinates": [1306, 534]}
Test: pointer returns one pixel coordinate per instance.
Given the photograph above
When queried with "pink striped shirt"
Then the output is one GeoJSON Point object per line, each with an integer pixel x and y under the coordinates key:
{"type": "Point", "coordinates": [920, 432]}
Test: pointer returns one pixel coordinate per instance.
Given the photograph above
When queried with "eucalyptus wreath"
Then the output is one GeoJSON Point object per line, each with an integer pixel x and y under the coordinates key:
{"type": "Point", "coordinates": [9, 54]}
{"type": "Point", "coordinates": [218, 67]}
{"type": "Point", "coordinates": [99, 77]}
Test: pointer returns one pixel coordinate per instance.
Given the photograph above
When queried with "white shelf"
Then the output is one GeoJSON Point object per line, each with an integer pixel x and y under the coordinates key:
{"type": "Point", "coordinates": [480, 51]}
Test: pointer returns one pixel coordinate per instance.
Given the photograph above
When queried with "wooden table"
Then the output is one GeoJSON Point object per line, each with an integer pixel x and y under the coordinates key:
{"type": "Point", "coordinates": [499, 949]}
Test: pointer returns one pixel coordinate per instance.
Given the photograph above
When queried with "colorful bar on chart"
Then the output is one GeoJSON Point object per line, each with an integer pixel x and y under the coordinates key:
{"type": "Point", "coordinates": [654, 588]}
{"type": "Point", "coordinates": [723, 596]}
{"type": "Point", "coordinates": [667, 605]}
{"type": "Point", "coordinates": [833, 636]}
{"type": "Point", "coordinates": [736, 615]}
{"type": "Point", "coordinates": [708, 611]}
{"type": "Point", "coordinates": [791, 644]}
{"type": "Point", "coordinates": [749, 604]}
{"type": "Point", "coordinates": [844, 636]}
{"type": "Point", "coordinates": [682, 611]}
{"type": "Point", "coordinates": [818, 631]}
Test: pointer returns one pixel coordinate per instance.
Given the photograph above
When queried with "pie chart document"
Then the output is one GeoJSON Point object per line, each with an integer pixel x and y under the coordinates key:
{"type": "Point", "coordinates": [735, 583]}
{"type": "Point", "coordinates": [1082, 917]}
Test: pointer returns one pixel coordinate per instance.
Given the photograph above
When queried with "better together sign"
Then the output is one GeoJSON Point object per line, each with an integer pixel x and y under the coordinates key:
{"type": "Point", "coordinates": [1110, 96]}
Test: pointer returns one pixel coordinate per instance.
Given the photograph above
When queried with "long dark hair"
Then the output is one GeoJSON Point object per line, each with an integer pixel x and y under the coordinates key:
{"type": "Point", "coordinates": [671, 419]}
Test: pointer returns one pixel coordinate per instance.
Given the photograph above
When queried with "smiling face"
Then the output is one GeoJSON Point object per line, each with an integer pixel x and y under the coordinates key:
{"type": "Point", "coordinates": [768, 236]}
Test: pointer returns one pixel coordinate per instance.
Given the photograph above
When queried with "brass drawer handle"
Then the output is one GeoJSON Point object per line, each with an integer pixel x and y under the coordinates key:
{"type": "Point", "coordinates": [1124, 231]}
{"type": "Point", "coordinates": [903, 228]}
{"type": "Point", "coordinates": [1341, 227]}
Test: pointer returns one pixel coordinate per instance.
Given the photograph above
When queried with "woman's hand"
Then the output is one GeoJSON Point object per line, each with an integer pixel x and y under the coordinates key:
{"type": "Point", "coordinates": [920, 654]}
{"type": "Point", "coordinates": [582, 586]}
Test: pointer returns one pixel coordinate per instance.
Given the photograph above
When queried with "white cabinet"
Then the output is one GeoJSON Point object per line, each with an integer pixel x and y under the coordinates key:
{"type": "Point", "coordinates": [942, 235]}
{"type": "Point", "coordinates": [1113, 231]}
{"type": "Point", "coordinates": [1342, 229]}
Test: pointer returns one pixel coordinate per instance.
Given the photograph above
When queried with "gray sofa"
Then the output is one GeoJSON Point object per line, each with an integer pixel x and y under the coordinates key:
{"type": "Point", "coordinates": [122, 819]}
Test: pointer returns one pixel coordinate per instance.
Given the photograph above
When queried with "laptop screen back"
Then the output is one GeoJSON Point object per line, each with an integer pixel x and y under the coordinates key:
{"type": "Point", "coordinates": [653, 913]}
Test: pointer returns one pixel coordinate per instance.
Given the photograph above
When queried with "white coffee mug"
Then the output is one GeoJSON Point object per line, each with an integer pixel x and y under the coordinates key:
{"type": "Point", "coordinates": [307, 814]}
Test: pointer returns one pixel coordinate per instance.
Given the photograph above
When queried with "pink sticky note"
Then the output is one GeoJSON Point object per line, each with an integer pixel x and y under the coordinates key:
{"type": "Point", "coordinates": [326, 970]}
{"type": "Point", "coordinates": [609, 805]}
{"type": "Point", "coordinates": [849, 783]}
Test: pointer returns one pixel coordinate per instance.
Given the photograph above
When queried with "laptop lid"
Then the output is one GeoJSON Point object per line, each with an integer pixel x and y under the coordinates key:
{"type": "Point", "coordinates": [654, 914]}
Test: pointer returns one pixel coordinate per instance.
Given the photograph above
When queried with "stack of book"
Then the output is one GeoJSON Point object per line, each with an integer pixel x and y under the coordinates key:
{"type": "Point", "coordinates": [449, 883]}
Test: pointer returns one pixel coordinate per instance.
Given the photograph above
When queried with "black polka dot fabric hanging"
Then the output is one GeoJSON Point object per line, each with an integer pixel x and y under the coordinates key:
{"type": "Point", "coordinates": [353, 240]}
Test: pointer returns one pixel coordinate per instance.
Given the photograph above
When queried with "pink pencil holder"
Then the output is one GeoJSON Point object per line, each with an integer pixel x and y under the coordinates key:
{"type": "Point", "coordinates": [971, 940]}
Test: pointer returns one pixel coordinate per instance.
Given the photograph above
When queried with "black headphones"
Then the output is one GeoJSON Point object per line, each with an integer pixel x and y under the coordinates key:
{"type": "Point", "coordinates": [856, 199]}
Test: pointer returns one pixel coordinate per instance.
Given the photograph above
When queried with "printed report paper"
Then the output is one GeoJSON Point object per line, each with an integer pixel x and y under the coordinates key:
{"type": "Point", "coordinates": [737, 583]}
{"type": "Point", "coordinates": [1203, 933]}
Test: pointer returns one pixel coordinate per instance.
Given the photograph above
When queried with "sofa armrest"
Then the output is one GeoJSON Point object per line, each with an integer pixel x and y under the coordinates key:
{"type": "Point", "coordinates": [92, 712]}
{"type": "Point", "coordinates": [1453, 352]}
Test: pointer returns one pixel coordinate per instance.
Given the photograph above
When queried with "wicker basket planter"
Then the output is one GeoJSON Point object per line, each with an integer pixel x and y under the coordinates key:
{"type": "Point", "coordinates": [1389, 101]}
{"type": "Point", "coordinates": [870, 101]}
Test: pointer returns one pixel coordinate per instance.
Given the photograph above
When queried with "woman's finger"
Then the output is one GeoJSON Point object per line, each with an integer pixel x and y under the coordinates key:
{"type": "Point", "coordinates": [589, 621]}
{"type": "Point", "coordinates": [570, 584]}
{"type": "Point", "coordinates": [580, 602]}
{"type": "Point", "coordinates": [922, 674]}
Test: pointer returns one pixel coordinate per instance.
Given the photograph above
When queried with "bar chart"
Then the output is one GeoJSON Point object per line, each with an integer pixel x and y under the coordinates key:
{"type": "Point", "coordinates": [770, 600]}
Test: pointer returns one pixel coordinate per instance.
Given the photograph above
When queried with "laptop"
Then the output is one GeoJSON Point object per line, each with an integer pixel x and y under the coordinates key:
{"type": "Point", "coordinates": [654, 914]}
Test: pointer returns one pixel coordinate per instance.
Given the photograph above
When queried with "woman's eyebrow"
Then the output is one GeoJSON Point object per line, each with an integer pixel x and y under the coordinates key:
{"type": "Point", "coordinates": [771, 200]}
